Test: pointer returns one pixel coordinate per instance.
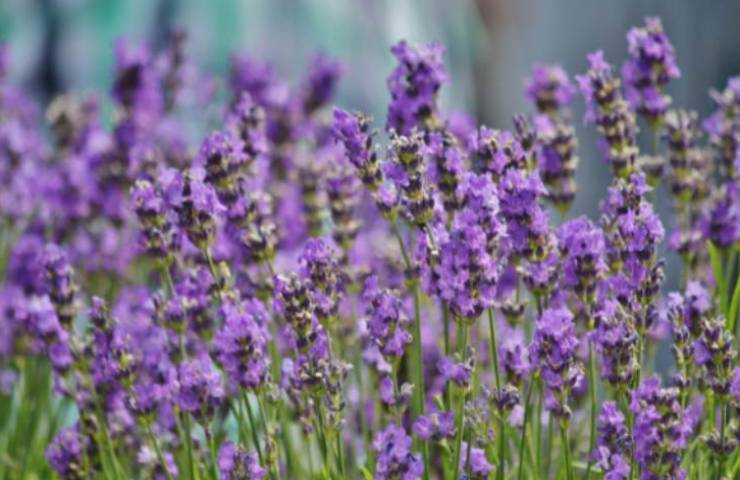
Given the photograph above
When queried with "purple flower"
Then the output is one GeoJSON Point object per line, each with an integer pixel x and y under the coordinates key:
{"type": "Point", "coordinates": [456, 370]}
{"type": "Point", "coordinates": [136, 86]}
{"type": "Point", "coordinates": [467, 260]}
{"type": "Point", "coordinates": [614, 442]}
{"type": "Point", "coordinates": [616, 338]}
{"type": "Point", "coordinates": [414, 85]}
{"type": "Point", "coordinates": [549, 88]}
{"type": "Point", "coordinates": [447, 166]}
{"type": "Point", "coordinates": [319, 268]}
{"type": "Point", "coordinates": [200, 388]}
{"type": "Point", "coordinates": [583, 249]}
{"type": "Point", "coordinates": [660, 433]}
{"type": "Point", "coordinates": [236, 464]}
{"type": "Point", "coordinates": [352, 130]}
{"type": "Point", "coordinates": [406, 170]}
{"type": "Point", "coordinates": [495, 152]}
{"type": "Point", "coordinates": [553, 351]}
{"type": "Point", "coordinates": [633, 232]}
{"type": "Point", "coordinates": [526, 220]}
{"type": "Point", "coordinates": [479, 466]}
{"type": "Point", "coordinates": [160, 238]}
{"type": "Point", "coordinates": [59, 283]}
{"type": "Point", "coordinates": [224, 161]}
{"type": "Point", "coordinates": [320, 84]}
{"type": "Point", "coordinates": [394, 457]}
{"type": "Point", "coordinates": [723, 126]}
{"type": "Point", "coordinates": [714, 353]}
{"type": "Point", "coordinates": [735, 386]}
{"type": "Point", "coordinates": [652, 64]}
{"type": "Point", "coordinates": [258, 79]}
{"type": "Point", "coordinates": [247, 122]}
{"type": "Point", "coordinates": [197, 206]}
{"type": "Point", "coordinates": [557, 142]}
{"type": "Point", "coordinates": [388, 322]}
{"type": "Point", "coordinates": [722, 223]}
{"type": "Point", "coordinates": [436, 425]}
{"type": "Point", "coordinates": [64, 454]}
{"type": "Point", "coordinates": [607, 109]}
{"type": "Point", "coordinates": [240, 345]}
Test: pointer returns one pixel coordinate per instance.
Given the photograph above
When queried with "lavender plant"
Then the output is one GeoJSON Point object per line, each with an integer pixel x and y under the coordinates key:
{"type": "Point", "coordinates": [281, 300]}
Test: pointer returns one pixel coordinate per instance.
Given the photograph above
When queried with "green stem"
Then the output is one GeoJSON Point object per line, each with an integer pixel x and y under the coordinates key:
{"type": "Point", "coordinates": [462, 345]}
{"type": "Point", "coordinates": [158, 450]}
{"type": "Point", "coordinates": [524, 432]}
{"type": "Point", "coordinates": [194, 470]}
{"type": "Point", "coordinates": [566, 450]}
{"type": "Point", "coordinates": [253, 427]}
{"type": "Point", "coordinates": [592, 390]}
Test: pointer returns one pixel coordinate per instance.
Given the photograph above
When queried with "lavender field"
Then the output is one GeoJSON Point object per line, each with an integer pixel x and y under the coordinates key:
{"type": "Point", "coordinates": [302, 291]}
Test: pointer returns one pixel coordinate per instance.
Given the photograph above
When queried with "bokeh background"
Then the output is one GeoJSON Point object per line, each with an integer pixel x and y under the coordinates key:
{"type": "Point", "coordinates": [61, 45]}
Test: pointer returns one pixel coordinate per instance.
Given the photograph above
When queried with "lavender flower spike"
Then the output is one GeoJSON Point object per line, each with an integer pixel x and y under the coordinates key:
{"type": "Point", "coordinates": [652, 64]}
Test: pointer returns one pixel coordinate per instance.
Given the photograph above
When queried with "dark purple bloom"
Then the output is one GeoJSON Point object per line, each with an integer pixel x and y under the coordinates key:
{"type": "Point", "coordinates": [722, 223]}
{"type": "Point", "coordinates": [136, 86]}
{"type": "Point", "coordinates": [479, 466]}
{"type": "Point", "coordinates": [59, 283]}
{"type": "Point", "coordinates": [660, 431]}
{"type": "Point", "coordinates": [446, 166]}
{"type": "Point", "coordinates": [652, 64]}
{"type": "Point", "coordinates": [553, 351]}
{"type": "Point", "coordinates": [320, 83]}
{"type": "Point", "coordinates": [64, 454]}
{"type": "Point", "coordinates": [723, 126]}
{"type": "Point", "coordinates": [236, 464]}
{"type": "Point", "coordinates": [388, 322]}
{"type": "Point", "coordinates": [614, 443]}
{"type": "Point", "coordinates": [609, 111]}
{"type": "Point", "coordinates": [436, 425]}
{"type": "Point", "coordinates": [466, 269]}
{"type": "Point", "coordinates": [458, 371]}
{"type": "Point", "coordinates": [394, 457]}
{"type": "Point", "coordinates": [240, 345]}
{"type": "Point", "coordinates": [714, 352]}
{"type": "Point", "coordinates": [557, 159]}
{"type": "Point", "coordinates": [352, 130]}
{"type": "Point", "coordinates": [549, 88]}
{"type": "Point", "coordinates": [200, 388]}
{"type": "Point", "coordinates": [633, 232]}
{"type": "Point", "coordinates": [583, 249]}
{"type": "Point", "coordinates": [406, 170]}
{"type": "Point", "coordinates": [616, 339]}
{"type": "Point", "coordinates": [414, 85]}
{"type": "Point", "coordinates": [495, 152]}
{"type": "Point", "coordinates": [320, 269]}
{"type": "Point", "coordinates": [197, 206]}
{"type": "Point", "coordinates": [160, 238]}
{"type": "Point", "coordinates": [224, 161]}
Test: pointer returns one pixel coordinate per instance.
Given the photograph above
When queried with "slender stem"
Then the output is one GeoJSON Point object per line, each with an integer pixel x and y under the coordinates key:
{"type": "Point", "coordinates": [253, 427]}
{"type": "Point", "coordinates": [566, 450]}
{"type": "Point", "coordinates": [463, 343]}
{"type": "Point", "coordinates": [212, 452]}
{"type": "Point", "coordinates": [524, 432]}
{"type": "Point", "coordinates": [448, 352]}
{"type": "Point", "coordinates": [502, 428]}
{"type": "Point", "coordinates": [592, 390]}
{"type": "Point", "coordinates": [189, 447]}
{"type": "Point", "coordinates": [538, 427]}
{"type": "Point", "coordinates": [548, 444]}
{"type": "Point", "coordinates": [158, 450]}
{"type": "Point", "coordinates": [494, 346]}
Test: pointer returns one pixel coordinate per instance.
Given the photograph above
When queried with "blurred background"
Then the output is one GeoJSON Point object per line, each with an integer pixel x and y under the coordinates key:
{"type": "Point", "coordinates": [61, 45]}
